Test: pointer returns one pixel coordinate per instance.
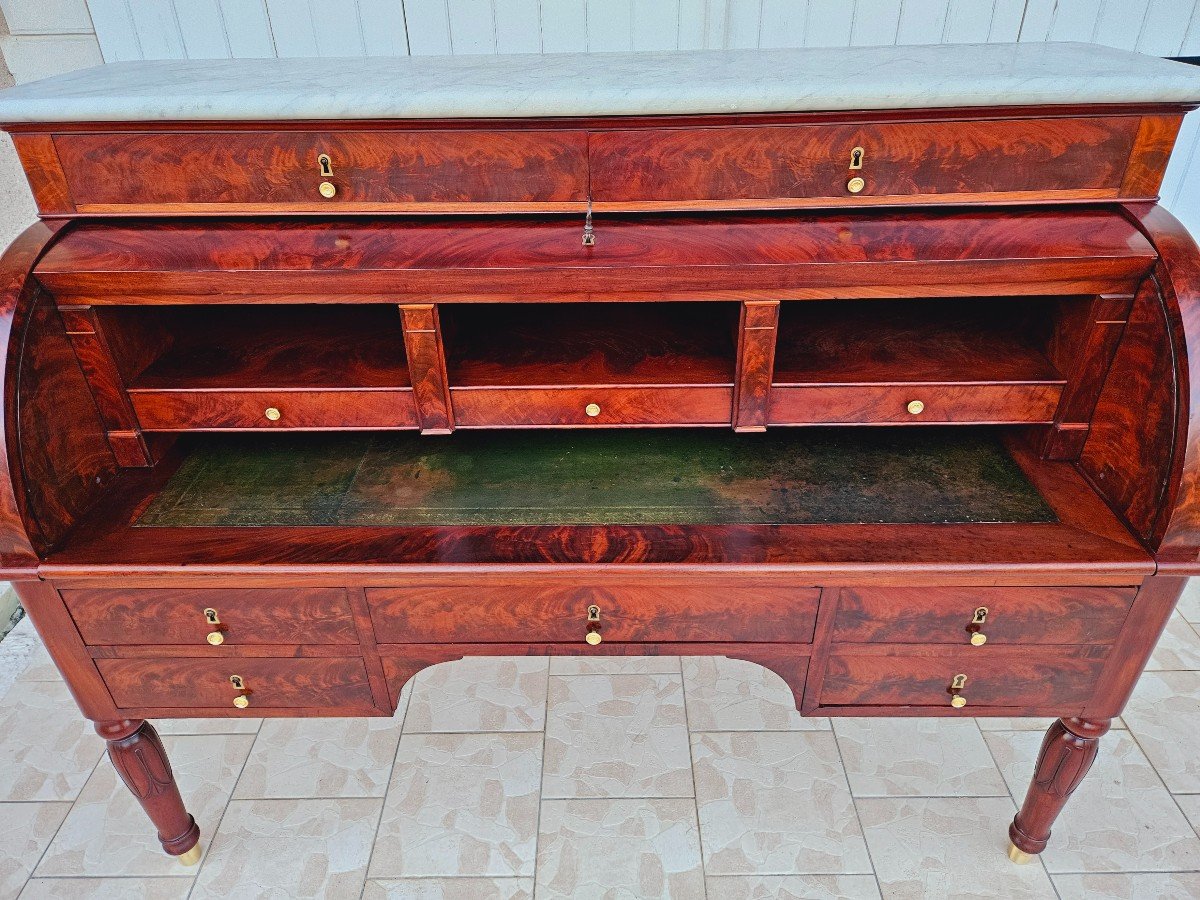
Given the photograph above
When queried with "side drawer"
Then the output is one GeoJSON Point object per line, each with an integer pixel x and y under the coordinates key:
{"type": "Point", "coordinates": [889, 403]}
{"type": "Point", "coordinates": [116, 616]}
{"type": "Point", "coordinates": [600, 407]}
{"type": "Point", "coordinates": [1059, 678]}
{"type": "Point", "coordinates": [282, 170]}
{"type": "Point", "coordinates": [192, 410]}
{"type": "Point", "coordinates": [935, 160]}
{"type": "Point", "coordinates": [1011, 615]}
{"type": "Point", "coordinates": [173, 683]}
{"type": "Point", "coordinates": [524, 609]}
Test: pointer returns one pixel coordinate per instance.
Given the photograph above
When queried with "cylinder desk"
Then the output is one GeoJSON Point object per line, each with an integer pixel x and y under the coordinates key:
{"type": "Point", "coordinates": [871, 366]}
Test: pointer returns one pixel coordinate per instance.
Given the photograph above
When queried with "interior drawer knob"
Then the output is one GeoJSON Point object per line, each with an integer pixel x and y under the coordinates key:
{"type": "Point", "coordinates": [915, 407]}
{"type": "Point", "coordinates": [856, 184]}
{"type": "Point", "coordinates": [272, 414]}
{"type": "Point", "coordinates": [592, 409]}
{"type": "Point", "coordinates": [593, 625]}
{"type": "Point", "coordinates": [328, 190]}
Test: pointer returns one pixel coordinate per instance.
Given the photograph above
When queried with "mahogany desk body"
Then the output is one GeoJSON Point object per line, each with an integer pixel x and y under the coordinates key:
{"type": "Point", "coordinates": [434, 277]}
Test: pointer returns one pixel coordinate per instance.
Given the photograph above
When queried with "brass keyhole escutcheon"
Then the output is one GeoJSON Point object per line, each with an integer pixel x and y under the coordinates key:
{"type": "Point", "coordinates": [325, 164]}
{"type": "Point", "coordinates": [593, 625]}
{"type": "Point", "coordinates": [211, 617]}
{"type": "Point", "coordinates": [272, 414]}
{"type": "Point", "coordinates": [328, 190]}
{"type": "Point", "coordinates": [592, 409]}
{"type": "Point", "coordinates": [856, 184]}
{"type": "Point", "coordinates": [856, 158]}
{"type": "Point", "coordinates": [915, 407]}
{"type": "Point", "coordinates": [978, 638]}
{"type": "Point", "coordinates": [241, 701]}
{"type": "Point", "coordinates": [237, 682]}
{"type": "Point", "coordinates": [214, 637]}
{"type": "Point", "coordinates": [958, 683]}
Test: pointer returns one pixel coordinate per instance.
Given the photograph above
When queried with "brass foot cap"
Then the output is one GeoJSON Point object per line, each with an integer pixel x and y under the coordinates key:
{"type": "Point", "coordinates": [1017, 855]}
{"type": "Point", "coordinates": [191, 857]}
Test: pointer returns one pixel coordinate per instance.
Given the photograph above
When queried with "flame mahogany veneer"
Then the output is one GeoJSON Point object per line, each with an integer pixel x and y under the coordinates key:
{"type": "Point", "coordinates": [735, 282]}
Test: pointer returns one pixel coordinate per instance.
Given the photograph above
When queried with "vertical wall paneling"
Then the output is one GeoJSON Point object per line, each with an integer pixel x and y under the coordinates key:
{"type": "Point", "coordinates": [829, 24]}
{"type": "Point", "coordinates": [782, 23]}
{"type": "Point", "coordinates": [292, 27]}
{"type": "Point", "coordinates": [1191, 37]}
{"type": "Point", "coordinates": [922, 21]}
{"type": "Point", "coordinates": [383, 28]}
{"type": "Point", "coordinates": [744, 22]}
{"type": "Point", "coordinates": [655, 24]}
{"type": "Point", "coordinates": [1119, 23]}
{"type": "Point", "coordinates": [564, 26]}
{"type": "Point", "coordinates": [336, 34]}
{"type": "Point", "coordinates": [114, 30]}
{"type": "Point", "coordinates": [428, 23]}
{"type": "Point", "coordinates": [1164, 27]}
{"type": "Point", "coordinates": [968, 22]}
{"type": "Point", "coordinates": [609, 25]}
{"type": "Point", "coordinates": [472, 26]}
{"type": "Point", "coordinates": [1007, 17]}
{"type": "Point", "coordinates": [246, 26]}
{"type": "Point", "coordinates": [157, 29]}
{"type": "Point", "coordinates": [518, 26]}
{"type": "Point", "coordinates": [876, 23]}
{"type": "Point", "coordinates": [202, 29]}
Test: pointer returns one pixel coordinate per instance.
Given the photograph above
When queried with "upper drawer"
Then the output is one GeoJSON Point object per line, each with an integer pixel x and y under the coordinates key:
{"type": "Point", "coordinates": [180, 615]}
{"type": "Point", "coordinates": [1067, 158]}
{"type": "Point", "coordinates": [946, 615]}
{"type": "Point", "coordinates": [390, 170]}
{"type": "Point", "coordinates": [528, 609]}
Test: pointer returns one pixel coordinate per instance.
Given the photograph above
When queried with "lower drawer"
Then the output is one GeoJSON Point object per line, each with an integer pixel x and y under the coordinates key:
{"type": "Point", "coordinates": [912, 404]}
{"type": "Point", "coordinates": [485, 406]}
{"type": "Point", "coordinates": [993, 677]}
{"type": "Point", "coordinates": [116, 616]}
{"type": "Point", "coordinates": [1025, 615]}
{"type": "Point", "coordinates": [528, 609]}
{"type": "Point", "coordinates": [184, 410]}
{"type": "Point", "coordinates": [208, 683]}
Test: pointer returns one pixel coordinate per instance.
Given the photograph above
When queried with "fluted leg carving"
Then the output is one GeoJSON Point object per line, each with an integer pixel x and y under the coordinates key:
{"type": "Point", "coordinates": [138, 756]}
{"type": "Point", "coordinates": [1068, 751]}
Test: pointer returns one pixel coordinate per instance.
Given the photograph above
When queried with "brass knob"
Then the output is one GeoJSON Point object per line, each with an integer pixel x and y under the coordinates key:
{"type": "Point", "coordinates": [329, 190]}
{"type": "Point", "coordinates": [592, 409]}
{"type": "Point", "coordinates": [216, 638]}
{"type": "Point", "coordinates": [241, 701]}
{"type": "Point", "coordinates": [915, 407]}
{"type": "Point", "coordinates": [958, 701]}
{"type": "Point", "coordinates": [593, 638]}
{"type": "Point", "coordinates": [978, 639]}
{"type": "Point", "coordinates": [856, 184]}
{"type": "Point", "coordinates": [272, 414]}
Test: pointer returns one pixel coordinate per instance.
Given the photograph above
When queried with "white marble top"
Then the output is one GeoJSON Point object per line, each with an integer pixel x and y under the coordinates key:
{"type": "Point", "coordinates": [604, 84]}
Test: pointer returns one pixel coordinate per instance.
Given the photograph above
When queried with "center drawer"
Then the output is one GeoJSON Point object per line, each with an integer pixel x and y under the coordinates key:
{"type": "Point", "coordinates": [118, 616]}
{"type": "Point", "coordinates": [604, 406]}
{"type": "Point", "coordinates": [527, 609]}
{"type": "Point", "coordinates": [209, 683]}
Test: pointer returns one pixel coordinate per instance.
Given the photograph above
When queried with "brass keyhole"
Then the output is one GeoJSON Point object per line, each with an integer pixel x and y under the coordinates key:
{"type": "Point", "coordinates": [980, 616]}
{"type": "Point", "coordinates": [592, 636]}
{"type": "Point", "coordinates": [856, 158]}
{"type": "Point", "coordinates": [210, 616]}
{"type": "Point", "coordinates": [957, 700]}
{"type": "Point", "coordinates": [325, 164]}
{"type": "Point", "coordinates": [959, 682]}
{"type": "Point", "coordinates": [237, 682]}
{"type": "Point", "coordinates": [975, 629]}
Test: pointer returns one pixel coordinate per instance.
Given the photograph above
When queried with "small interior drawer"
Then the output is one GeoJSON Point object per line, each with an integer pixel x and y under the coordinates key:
{"type": "Point", "coordinates": [529, 609]}
{"type": "Point", "coordinates": [173, 683]}
{"type": "Point", "coordinates": [1061, 678]}
{"type": "Point", "coordinates": [599, 406]}
{"type": "Point", "coordinates": [269, 410]}
{"type": "Point", "coordinates": [913, 404]}
{"type": "Point", "coordinates": [115, 616]}
{"type": "Point", "coordinates": [1009, 615]}
{"type": "Point", "coordinates": [192, 171]}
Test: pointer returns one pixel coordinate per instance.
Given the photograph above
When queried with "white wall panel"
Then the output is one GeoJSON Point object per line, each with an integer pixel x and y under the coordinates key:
{"type": "Point", "coordinates": [518, 26]}
{"type": "Point", "coordinates": [250, 35]}
{"type": "Point", "coordinates": [830, 23]}
{"type": "Point", "coordinates": [114, 30]}
{"type": "Point", "coordinates": [922, 21]}
{"type": "Point", "coordinates": [609, 25]}
{"type": "Point", "coordinates": [876, 23]}
{"type": "Point", "coordinates": [202, 29]}
{"type": "Point", "coordinates": [472, 27]}
{"type": "Point", "coordinates": [564, 26]}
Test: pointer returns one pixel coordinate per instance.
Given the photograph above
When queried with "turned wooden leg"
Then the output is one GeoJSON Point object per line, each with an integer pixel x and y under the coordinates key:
{"type": "Point", "coordinates": [1068, 751]}
{"type": "Point", "coordinates": [139, 758]}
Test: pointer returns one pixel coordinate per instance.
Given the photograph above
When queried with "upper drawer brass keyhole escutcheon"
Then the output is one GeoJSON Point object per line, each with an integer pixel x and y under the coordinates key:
{"type": "Point", "coordinates": [242, 700]}
{"type": "Point", "coordinates": [215, 636]}
{"type": "Point", "coordinates": [327, 189]}
{"type": "Point", "coordinates": [593, 625]}
{"type": "Point", "coordinates": [957, 684]}
{"type": "Point", "coordinates": [856, 159]}
{"type": "Point", "coordinates": [978, 638]}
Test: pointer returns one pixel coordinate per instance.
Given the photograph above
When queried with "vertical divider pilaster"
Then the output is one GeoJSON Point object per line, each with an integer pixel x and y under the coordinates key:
{"type": "Point", "coordinates": [86, 334]}
{"type": "Point", "coordinates": [427, 367]}
{"type": "Point", "coordinates": [758, 327]}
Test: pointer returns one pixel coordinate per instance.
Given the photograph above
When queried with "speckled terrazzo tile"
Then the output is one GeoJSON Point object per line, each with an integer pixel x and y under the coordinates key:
{"type": "Point", "coordinates": [614, 665]}
{"type": "Point", "coordinates": [1178, 649]}
{"type": "Point", "coordinates": [1129, 886]}
{"type": "Point", "coordinates": [1189, 601]}
{"type": "Point", "coordinates": [40, 666]}
{"type": "Point", "coordinates": [107, 833]}
{"type": "Point", "coordinates": [947, 847]}
{"type": "Point", "coordinates": [290, 848]}
{"type": "Point", "coordinates": [616, 736]}
{"type": "Point", "coordinates": [1164, 715]}
{"type": "Point", "coordinates": [54, 763]}
{"type": "Point", "coordinates": [1120, 818]}
{"type": "Point", "coordinates": [619, 848]}
{"type": "Point", "coordinates": [232, 725]}
{"type": "Point", "coordinates": [775, 803]}
{"type": "Point", "coordinates": [25, 833]}
{"type": "Point", "coordinates": [735, 695]}
{"type": "Point", "coordinates": [480, 694]}
{"type": "Point", "coordinates": [106, 889]}
{"type": "Point", "coordinates": [904, 757]}
{"type": "Point", "coordinates": [461, 804]}
{"type": "Point", "coordinates": [350, 757]}
{"type": "Point", "coordinates": [450, 889]}
{"type": "Point", "coordinates": [1190, 804]}
{"type": "Point", "coordinates": [791, 887]}
{"type": "Point", "coordinates": [17, 650]}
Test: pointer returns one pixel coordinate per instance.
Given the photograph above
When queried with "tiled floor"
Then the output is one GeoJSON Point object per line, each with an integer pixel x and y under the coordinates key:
{"type": "Point", "coordinates": [602, 778]}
